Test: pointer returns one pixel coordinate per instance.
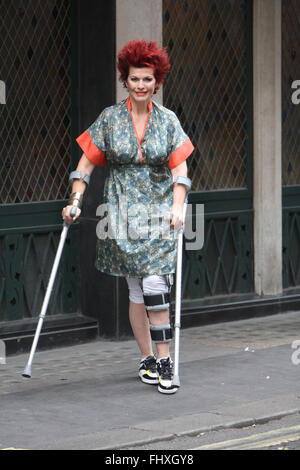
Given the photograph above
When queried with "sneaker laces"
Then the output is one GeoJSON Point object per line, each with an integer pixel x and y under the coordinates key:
{"type": "Point", "coordinates": [166, 368]}
{"type": "Point", "coordinates": [150, 363]}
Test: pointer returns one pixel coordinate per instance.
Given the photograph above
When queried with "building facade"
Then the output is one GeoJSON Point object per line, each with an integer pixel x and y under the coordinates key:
{"type": "Point", "coordinates": [233, 84]}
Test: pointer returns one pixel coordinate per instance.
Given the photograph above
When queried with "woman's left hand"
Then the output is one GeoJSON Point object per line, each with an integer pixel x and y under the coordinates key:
{"type": "Point", "coordinates": [176, 216]}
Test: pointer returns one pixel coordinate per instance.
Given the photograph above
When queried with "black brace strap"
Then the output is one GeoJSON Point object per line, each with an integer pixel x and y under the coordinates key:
{"type": "Point", "coordinates": [157, 301]}
{"type": "Point", "coordinates": [161, 333]}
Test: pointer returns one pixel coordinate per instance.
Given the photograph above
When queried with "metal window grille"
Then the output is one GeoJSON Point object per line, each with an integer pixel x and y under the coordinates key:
{"type": "Point", "coordinates": [24, 264]}
{"type": "Point", "coordinates": [26, 261]}
{"type": "Point", "coordinates": [207, 86]}
{"type": "Point", "coordinates": [35, 134]}
{"type": "Point", "coordinates": [290, 110]}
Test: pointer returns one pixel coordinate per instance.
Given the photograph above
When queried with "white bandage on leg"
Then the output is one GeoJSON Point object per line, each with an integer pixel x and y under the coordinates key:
{"type": "Point", "coordinates": [151, 285]}
{"type": "Point", "coordinates": [154, 284]}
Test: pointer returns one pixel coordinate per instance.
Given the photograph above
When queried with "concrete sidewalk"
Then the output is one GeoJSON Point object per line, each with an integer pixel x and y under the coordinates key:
{"type": "Point", "coordinates": [89, 397]}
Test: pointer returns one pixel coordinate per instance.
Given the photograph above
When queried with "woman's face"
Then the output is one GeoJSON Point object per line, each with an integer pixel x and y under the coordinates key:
{"type": "Point", "coordinates": [140, 84]}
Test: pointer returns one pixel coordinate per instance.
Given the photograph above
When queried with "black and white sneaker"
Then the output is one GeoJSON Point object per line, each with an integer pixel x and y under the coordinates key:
{"type": "Point", "coordinates": [165, 371]}
{"type": "Point", "coordinates": [148, 371]}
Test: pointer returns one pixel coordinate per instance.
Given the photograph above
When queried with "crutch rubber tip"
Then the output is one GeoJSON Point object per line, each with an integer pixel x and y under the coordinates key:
{"type": "Point", "coordinates": [27, 372]}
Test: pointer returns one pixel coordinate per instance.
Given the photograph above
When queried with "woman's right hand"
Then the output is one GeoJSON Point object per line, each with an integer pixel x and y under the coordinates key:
{"type": "Point", "coordinates": [66, 214]}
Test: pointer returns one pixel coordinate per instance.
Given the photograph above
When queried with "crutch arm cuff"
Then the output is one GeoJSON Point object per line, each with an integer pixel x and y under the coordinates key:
{"type": "Point", "coordinates": [77, 175]}
{"type": "Point", "coordinates": [183, 180]}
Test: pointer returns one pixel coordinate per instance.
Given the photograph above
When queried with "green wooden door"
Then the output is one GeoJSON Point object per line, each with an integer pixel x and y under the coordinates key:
{"type": "Point", "coordinates": [210, 89]}
{"type": "Point", "coordinates": [36, 134]}
{"type": "Point", "coordinates": [290, 143]}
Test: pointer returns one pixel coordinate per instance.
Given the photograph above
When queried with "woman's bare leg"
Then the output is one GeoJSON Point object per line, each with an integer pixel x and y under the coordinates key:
{"type": "Point", "coordinates": [140, 327]}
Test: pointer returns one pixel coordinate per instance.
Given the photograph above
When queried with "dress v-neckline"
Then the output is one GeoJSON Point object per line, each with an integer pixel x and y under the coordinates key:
{"type": "Point", "coordinates": [140, 140]}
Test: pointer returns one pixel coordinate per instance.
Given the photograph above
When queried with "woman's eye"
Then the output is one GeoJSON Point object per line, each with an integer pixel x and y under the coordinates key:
{"type": "Point", "coordinates": [147, 79]}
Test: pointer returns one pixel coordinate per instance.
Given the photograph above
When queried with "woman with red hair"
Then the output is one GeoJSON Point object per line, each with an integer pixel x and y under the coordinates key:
{"type": "Point", "coordinates": [145, 149]}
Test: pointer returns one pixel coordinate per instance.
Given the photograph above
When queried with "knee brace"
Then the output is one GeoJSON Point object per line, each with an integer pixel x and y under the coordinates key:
{"type": "Point", "coordinates": [157, 294]}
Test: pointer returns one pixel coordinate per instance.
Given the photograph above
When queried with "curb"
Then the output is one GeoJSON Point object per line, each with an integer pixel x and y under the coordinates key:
{"type": "Point", "coordinates": [193, 432]}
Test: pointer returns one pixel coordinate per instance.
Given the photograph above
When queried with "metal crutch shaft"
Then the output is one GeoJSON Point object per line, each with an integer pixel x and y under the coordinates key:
{"type": "Point", "coordinates": [177, 326]}
{"type": "Point", "coordinates": [63, 236]}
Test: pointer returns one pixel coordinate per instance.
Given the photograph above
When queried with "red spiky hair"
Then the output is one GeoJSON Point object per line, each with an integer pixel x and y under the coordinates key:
{"type": "Point", "coordinates": [143, 54]}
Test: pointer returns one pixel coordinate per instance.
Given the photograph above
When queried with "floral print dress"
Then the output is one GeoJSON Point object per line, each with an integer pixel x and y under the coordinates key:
{"type": "Point", "coordinates": [134, 237]}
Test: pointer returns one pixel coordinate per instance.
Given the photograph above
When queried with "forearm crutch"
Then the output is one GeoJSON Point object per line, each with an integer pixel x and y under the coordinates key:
{"type": "Point", "coordinates": [177, 325]}
{"type": "Point", "coordinates": [63, 236]}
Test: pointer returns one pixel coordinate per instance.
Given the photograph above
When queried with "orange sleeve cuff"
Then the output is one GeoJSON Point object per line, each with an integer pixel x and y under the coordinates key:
{"type": "Point", "coordinates": [181, 154]}
{"type": "Point", "coordinates": [90, 150]}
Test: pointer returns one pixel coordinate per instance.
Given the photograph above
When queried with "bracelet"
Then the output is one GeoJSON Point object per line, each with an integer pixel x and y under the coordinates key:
{"type": "Point", "coordinates": [76, 200]}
